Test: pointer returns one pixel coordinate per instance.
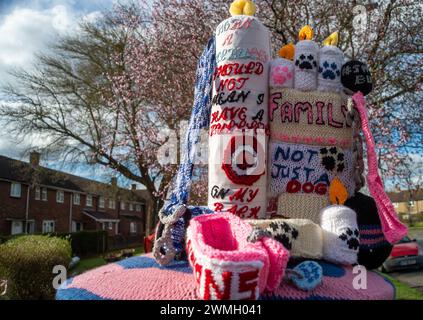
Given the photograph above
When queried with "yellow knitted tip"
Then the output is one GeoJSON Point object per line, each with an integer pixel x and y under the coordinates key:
{"type": "Point", "coordinates": [250, 8]}
{"type": "Point", "coordinates": [306, 33]}
{"type": "Point", "coordinates": [287, 51]}
{"type": "Point", "coordinates": [332, 40]}
{"type": "Point", "coordinates": [242, 7]}
{"type": "Point", "coordinates": [338, 194]}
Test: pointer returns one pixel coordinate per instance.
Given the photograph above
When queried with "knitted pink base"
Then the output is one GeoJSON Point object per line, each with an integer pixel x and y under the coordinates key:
{"type": "Point", "coordinates": [226, 265]}
{"type": "Point", "coordinates": [142, 278]}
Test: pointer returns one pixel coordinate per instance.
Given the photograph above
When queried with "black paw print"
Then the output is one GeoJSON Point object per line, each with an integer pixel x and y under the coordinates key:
{"type": "Point", "coordinates": [284, 233]}
{"type": "Point", "coordinates": [329, 70]}
{"type": "Point", "coordinates": [306, 62]}
{"type": "Point", "coordinates": [332, 158]}
{"type": "Point", "coordinates": [351, 238]}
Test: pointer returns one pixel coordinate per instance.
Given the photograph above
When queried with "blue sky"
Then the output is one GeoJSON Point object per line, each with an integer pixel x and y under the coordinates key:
{"type": "Point", "coordinates": [26, 27]}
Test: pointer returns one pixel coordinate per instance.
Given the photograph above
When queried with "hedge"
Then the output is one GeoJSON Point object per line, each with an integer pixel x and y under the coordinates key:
{"type": "Point", "coordinates": [27, 263]}
{"type": "Point", "coordinates": [87, 242]}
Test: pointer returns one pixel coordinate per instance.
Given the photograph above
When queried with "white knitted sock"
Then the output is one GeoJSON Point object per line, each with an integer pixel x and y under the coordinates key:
{"type": "Point", "coordinates": [331, 59]}
{"type": "Point", "coordinates": [340, 234]}
{"type": "Point", "coordinates": [306, 65]}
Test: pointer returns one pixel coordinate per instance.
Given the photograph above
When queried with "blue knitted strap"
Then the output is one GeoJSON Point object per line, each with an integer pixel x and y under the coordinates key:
{"type": "Point", "coordinates": [200, 118]}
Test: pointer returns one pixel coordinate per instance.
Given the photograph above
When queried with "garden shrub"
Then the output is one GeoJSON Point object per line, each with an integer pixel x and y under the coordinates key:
{"type": "Point", "coordinates": [27, 262]}
{"type": "Point", "coordinates": [87, 242]}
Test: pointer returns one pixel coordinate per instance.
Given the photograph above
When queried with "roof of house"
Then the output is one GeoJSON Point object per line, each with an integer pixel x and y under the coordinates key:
{"type": "Point", "coordinates": [15, 170]}
{"type": "Point", "coordinates": [99, 216]}
{"type": "Point", "coordinates": [404, 196]}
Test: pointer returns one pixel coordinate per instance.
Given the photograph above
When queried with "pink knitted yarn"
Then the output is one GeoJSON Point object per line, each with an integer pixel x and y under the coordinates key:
{"type": "Point", "coordinates": [226, 265]}
{"type": "Point", "coordinates": [142, 278]}
{"type": "Point", "coordinates": [392, 228]}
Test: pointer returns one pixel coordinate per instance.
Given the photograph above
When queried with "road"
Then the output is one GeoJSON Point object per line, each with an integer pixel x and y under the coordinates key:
{"type": "Point", "coordinates": [413, 278]}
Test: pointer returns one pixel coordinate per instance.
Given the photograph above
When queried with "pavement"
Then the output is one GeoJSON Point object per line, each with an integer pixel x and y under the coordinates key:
{"type": "Point", "coordinates": [413, 278]}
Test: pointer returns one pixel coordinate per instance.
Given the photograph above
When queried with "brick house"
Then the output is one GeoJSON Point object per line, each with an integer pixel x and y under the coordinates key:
{"type": "Point", "coordinates": [406, 202]}
{"type": "Point", "coordinates": [35, 199]}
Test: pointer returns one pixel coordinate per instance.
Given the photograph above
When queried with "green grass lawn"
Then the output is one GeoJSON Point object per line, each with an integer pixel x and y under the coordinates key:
{"type": "Point", "coordinates": [403, 291]}
{"type": "Point", "coordinates": [97, 261]}
{"type": "Point", "coordinates": [417, 225]}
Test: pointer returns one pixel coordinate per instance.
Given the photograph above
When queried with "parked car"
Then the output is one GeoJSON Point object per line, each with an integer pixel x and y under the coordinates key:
{"type": "Point", "coordinates": [406, 254]}
{"type": "Point", "coordinates": [149, 242]}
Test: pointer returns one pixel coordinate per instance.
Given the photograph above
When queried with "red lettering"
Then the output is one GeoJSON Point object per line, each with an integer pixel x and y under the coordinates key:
{"type": "Point", "coordinates": [321, 189]}
{"type": "Point", "coordinates": [218, 207]}
{"type": "Point", "coordinates": [254, 212]}
{"type": "Point", "coordinates": [308, 187]}
{"type": "Point", "coordinates": [293, 186]}
{"type": "Point", "coordinates": [210, 282]}
{"type": "Point", "coordinates": [232, 84]}
{"type": "Point", "coordinates": [248, 282]}
{"type": "Point", "coordinates": [228, 40]}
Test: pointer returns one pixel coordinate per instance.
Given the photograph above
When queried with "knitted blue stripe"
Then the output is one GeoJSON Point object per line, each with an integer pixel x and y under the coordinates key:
{"type": "Point", "coordinates": [200, 118]}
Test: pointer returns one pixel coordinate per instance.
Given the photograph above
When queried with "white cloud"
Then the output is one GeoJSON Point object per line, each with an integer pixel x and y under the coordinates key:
{"type": "Point", "coordinates": [26, 32]}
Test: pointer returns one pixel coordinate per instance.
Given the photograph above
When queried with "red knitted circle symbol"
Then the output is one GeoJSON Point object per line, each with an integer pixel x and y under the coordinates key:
{"type": "Point", "coordinates": [243, 160]}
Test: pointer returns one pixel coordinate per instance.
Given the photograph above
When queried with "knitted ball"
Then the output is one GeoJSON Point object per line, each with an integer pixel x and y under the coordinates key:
{"type": "Point", "coordinates": [374, 248]}
{"type": "Point", "coordinates": [356, 76]}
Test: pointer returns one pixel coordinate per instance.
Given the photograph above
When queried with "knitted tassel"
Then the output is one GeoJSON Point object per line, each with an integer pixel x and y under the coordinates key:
{"type": "Point", "coordinates": [392, 228]}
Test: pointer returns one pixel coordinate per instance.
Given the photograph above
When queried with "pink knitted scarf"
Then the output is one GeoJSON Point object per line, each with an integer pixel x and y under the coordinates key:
{"type": "Point", "coordinates": [393, 229]}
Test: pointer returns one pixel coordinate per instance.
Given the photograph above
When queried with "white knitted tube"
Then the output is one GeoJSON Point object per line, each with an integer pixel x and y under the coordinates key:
{"type": "Point", "coordinates": [340, 234]}
{"type": "Point", "coordinates": [302, 237]}
{"type": "Point", "coordinates": [239, 118]}
{"type": "Point", "coordinates": [306, 65]}
{"type": "Point", "coordinates": [331, 59]}
{"type": "Point", "coordinates": [281, 73]}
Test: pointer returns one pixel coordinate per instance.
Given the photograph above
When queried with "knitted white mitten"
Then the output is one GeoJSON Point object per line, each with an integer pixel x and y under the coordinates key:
{"type": "Point", "coordinates": [340, 234]}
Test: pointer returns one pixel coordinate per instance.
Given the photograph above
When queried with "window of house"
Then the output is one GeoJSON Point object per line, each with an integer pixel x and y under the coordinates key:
{"type": "Point", "coordinates": [30, 227]}
{"type": "Point", "coordinates": [112, 204]}
{"type": "Point", "coordinates": [89, 200]}
{"type": "Point", "coordinates": [396, 205]}
{"type": "Point", "coordinates": [101, 202]}
{"type": "Point", "coordinates": [138, 208]}
{"type": "Point", "coordinates": [77, 226]}
{"type": "Point", "coordinates": [44, 194]}
{"type": "Point", "coordinates": [133, 227]}
{"type": "Point", "coordinates": [48, 226]}
{"type": "Point", "coordinates": [131, 207]}
{"type": "Point", "coordinates": [122, 205]}
{"type": "Point", "coordinates": [110, 226]}
{"type": "Point", "coordinates": [17, 227]}
{"type": "Point", "coordinates": [60, 196]}
{"type": "Point", "coordinates": [15, 190]}
{"type": "Point", "coordinates": [76, 199]}
{"type": "Point", "coordinates": [37, 193]}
